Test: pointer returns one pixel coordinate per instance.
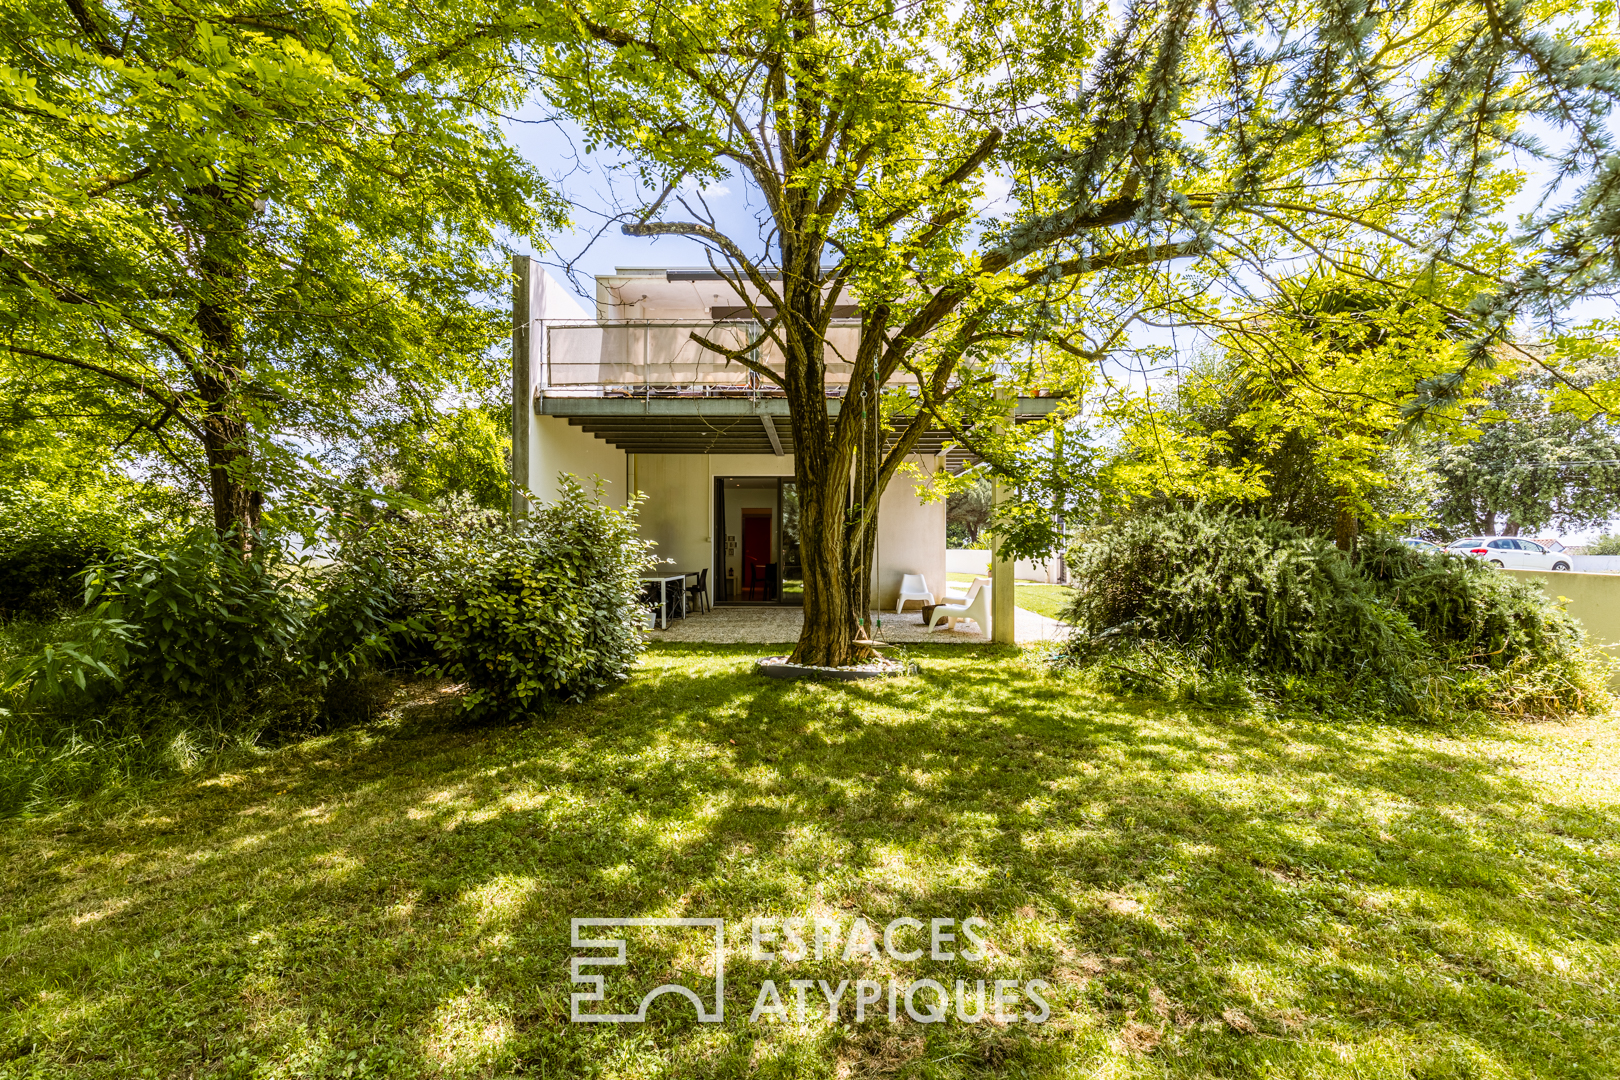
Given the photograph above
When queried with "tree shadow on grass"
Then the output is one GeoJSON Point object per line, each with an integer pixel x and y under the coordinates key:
{"type": "Point", "coordinates": [1206, 892]}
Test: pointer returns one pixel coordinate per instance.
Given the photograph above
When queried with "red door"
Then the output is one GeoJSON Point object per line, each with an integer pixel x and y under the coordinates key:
{"type": "Point", "coordinates": [756, 554]}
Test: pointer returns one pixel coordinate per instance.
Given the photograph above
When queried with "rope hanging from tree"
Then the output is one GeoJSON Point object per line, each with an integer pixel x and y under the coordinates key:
{"type": "Point", "coordinates": [866, 474]}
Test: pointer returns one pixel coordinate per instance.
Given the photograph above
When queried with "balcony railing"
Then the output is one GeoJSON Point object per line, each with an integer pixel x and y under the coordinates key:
{"type": "Point", "coordinates": [660, 359]}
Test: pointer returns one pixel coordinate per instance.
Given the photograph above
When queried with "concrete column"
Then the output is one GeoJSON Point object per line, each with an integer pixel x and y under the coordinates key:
{"type": "Point", "coordinates": [1003, 598]}
{"type": "Point", "coordinates": [522, 394]}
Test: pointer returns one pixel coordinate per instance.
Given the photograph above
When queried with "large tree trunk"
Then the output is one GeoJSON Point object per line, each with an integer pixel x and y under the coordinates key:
{"type": "Point", "coordinates": [218, 378]}
{"type": "Point", "coordinates": [821, 466]}
{"type": "Point", "coordinates": [1345, 528]}
{"type": "Point", "coordinates": [237, 504]}
{"type": "Point", "coordinates": [829, 622]}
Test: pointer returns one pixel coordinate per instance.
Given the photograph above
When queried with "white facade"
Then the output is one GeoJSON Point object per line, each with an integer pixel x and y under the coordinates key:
{"type": "Point", "coordinates": [678, 511]}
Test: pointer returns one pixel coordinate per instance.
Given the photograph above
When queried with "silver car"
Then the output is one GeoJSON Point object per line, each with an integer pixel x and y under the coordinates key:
{"type": "Point", "coordinates": [1510, 551]}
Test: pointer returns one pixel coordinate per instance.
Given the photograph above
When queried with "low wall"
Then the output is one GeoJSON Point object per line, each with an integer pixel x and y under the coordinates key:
{"type": "Point", "coordinates": [972, 561]}
{"type": "Point", "coordinates": [1594, 599]}
{"type": "Point", "coordinates": [1595, 564]}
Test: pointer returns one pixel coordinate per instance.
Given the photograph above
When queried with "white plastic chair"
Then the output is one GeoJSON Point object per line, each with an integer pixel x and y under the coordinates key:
{"type": "Point", "coordinates": [975, 606]}
{"type": "Point", "coordinates": [913, 587]}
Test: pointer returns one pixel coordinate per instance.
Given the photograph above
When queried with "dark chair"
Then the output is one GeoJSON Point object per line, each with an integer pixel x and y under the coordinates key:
{"type": "Point", "coordinates": [770, 581]}
{"type": "Point", "coordinates": [699, 593]}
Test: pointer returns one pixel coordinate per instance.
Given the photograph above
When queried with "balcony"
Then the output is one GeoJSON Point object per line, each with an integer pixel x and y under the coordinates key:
{"type": "Point", "coordinates": [660, 360]}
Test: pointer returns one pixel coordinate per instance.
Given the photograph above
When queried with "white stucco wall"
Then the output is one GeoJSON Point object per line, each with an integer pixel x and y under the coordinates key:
{"type": "Point", "coordinates": [678, 512]}
{"type": "Point", "coordinates": [556, 446]}
{"type": "Point", "coordinates": [678, 516]}
{"type": "Point", "coordinates": [911, 538]}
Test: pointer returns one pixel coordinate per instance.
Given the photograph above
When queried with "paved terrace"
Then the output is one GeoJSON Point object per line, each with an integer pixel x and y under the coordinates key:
{"type": "Point", "coordinates": [778, 625]}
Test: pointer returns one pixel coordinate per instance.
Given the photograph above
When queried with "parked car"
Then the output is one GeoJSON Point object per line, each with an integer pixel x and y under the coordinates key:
{"type": "Point", "coordinates": [1422, 545]}
{"type": "Point", "coordinates": [1513, 551]}
{"type": "Point", "coordinates": [1551, 544]}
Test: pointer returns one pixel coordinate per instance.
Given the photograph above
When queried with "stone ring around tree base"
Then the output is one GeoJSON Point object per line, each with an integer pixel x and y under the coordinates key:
{"type": "Point", "coordinates": [777, 667]}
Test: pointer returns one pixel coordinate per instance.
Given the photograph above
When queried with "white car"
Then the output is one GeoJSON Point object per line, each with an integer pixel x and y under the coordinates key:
{"type": "Point", "coordinates": [1417, 543]}
{"type": "Point", "coordinates": [1512, 551]}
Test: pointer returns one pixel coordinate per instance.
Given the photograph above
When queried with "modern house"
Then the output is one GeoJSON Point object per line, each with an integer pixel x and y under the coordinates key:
{"type": "Point", "coordinates": [624, 395]}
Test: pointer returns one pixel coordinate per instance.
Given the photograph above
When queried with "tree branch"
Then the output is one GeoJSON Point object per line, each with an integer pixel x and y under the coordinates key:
{"type": "Point", "coordinates": [715, 237]}
{"type": "Point", "coordinates": [737, 355]}
{"type": "Point", "coordinates": [171, 402]}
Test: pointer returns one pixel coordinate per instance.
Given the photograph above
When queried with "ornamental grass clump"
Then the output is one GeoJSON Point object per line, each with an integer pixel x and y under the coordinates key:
{"type": "Point", "coordinates": [1197, 590]}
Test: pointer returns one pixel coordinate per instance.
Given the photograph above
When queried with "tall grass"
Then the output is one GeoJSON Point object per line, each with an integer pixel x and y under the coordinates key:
{"type": "Point", "coordinates": [99, 746]}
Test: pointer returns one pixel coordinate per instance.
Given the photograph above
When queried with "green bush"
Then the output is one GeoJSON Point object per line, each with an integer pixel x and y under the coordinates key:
{"type": "Point", "coordinates": [199, 623]}
{"type": "Point", "coordinates": [538, 617]}
{"type": "Point", "coordinates": [1264, 598]}
{"type": "Point", "coordinates": [1604, 545]}
{"type": "Point", "coordinates": [189, 654]}
{"type": "Point", "coordinates": [51, 532]}
{"type": "Point", "coordinates": [206, 624]}
{"type": "Point", "coordinates": [1467, 610]}
{"type": "Point", "coordinates": [193, 652]}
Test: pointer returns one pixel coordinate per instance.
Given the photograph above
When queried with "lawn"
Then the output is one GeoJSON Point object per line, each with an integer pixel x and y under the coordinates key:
{"type": "Point", "coordinates": [1048, 600]}
{"type": "Point", "coordinates": [1205, 893]}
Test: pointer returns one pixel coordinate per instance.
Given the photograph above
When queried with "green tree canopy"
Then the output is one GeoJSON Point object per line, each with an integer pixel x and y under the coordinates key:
{"type": "Point", "coordinates": [1233, 137]}
{"type": "Point", "coordinates": [236, 227]}
{"type": "Point", "coordinates": [1531, 467]}
{"type": "Point", "coordinates": [967, 511]}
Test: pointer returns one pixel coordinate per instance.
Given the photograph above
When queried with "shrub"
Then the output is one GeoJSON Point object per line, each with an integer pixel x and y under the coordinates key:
{"type": "Point", "coordinates": [212, 650]}
{"type": "Point", "coordinates": [541, 616]}
{"type": "Point", "coordinates": [1604, 545]}
{"type": "Point", "coordinates": [201, 623]}
{"type": "Point", "coordinates": [1466, 609]}
{"type": "Point", "coordinates": [204, 622]}
{"type": "Point", "coordinates": [50, 533]}
{"type": "Point", "coordinates": [1264, 597]}
{"type": "Point", "coordinates": [1251, 591]}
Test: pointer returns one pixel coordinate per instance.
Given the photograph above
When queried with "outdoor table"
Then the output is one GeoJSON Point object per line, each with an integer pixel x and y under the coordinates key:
{"type": "Point", "coordinates": [663, 581]}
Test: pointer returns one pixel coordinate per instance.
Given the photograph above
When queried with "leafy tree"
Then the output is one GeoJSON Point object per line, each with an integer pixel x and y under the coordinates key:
{"type": "Point", "coordinates": [1231, 134]}
{"type": "Point", "coordinates": [462, 451]}
{"type": "Point", "coordinates": [235, 227]}
{"type": "Point", "coordinates": [1304, 401]}
{"type": "Point", "coordinates": [967, 511]}
{"type": "Point", "coordinates": [1531, 467]}
{"type": "Point", "coordinates": [65, 500]}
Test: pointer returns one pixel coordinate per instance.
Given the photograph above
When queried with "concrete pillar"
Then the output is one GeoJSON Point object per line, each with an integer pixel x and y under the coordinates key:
{"type": "Point", "coordinates": [1003, 598]}
{"type": "Point", "coordinates": [522, 405]}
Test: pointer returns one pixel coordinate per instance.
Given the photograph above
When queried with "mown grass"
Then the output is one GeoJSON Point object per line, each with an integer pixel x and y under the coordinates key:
{"type": "Point", "coordinates": [1208, 893]}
